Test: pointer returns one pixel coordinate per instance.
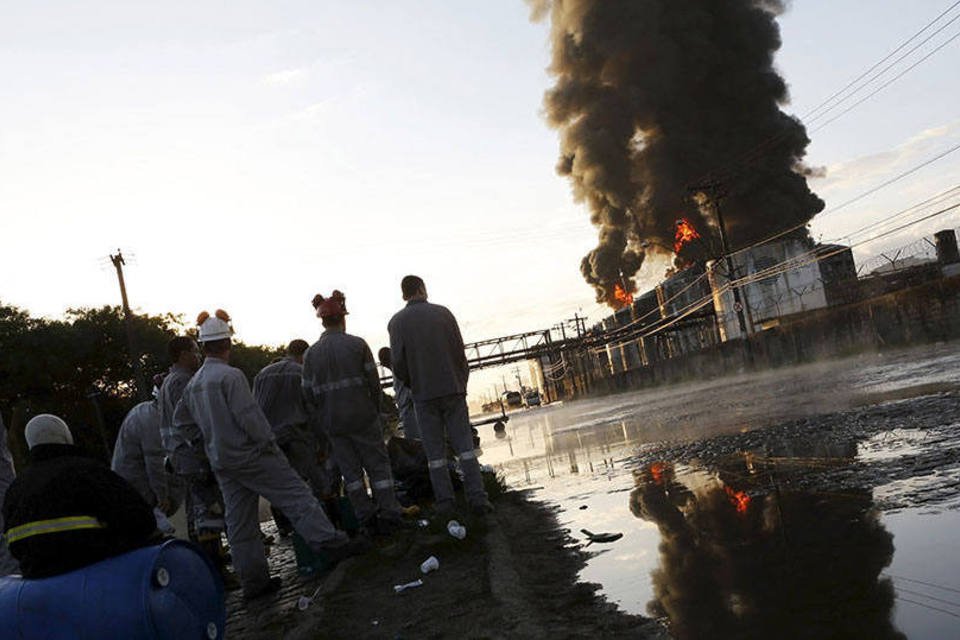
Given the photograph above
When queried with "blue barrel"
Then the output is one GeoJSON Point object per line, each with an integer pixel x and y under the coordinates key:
{"type": "Point", "coordinates": [166, 591]}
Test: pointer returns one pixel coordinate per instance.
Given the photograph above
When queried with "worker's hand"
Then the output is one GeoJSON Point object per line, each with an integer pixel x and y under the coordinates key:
{"type": "Point", "coordinates": [165, 506]}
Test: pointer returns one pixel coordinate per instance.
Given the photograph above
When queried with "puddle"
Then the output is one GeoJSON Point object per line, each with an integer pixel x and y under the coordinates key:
{"type": "Point", "coordinates": [892, 444]}
{"type": "Point", "coordinates": [840, 523]}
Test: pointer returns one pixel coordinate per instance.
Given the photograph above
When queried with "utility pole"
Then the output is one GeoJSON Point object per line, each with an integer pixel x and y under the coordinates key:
{"type": "Point", "coordinates": [714, 193]}
{"type": "Point", "coordinates": [577, 319]}
{"type": "Point", "coordinates": [118, 264]}
{"type": "Point", "coordinates": [516, 372]}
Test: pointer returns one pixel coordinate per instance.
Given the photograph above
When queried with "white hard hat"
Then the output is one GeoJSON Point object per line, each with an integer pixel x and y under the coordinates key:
{"type": "Point", "coordinates": [215, 327]}
{"type": "Point", "coordinates": [47, 428]}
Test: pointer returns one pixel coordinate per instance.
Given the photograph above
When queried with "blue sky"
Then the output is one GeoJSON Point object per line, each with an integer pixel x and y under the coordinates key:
{"type": "Point", "coordinates": [251, 154]}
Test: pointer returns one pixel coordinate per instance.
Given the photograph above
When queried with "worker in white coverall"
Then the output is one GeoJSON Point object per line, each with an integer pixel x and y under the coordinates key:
{"type": "Point", "coordinates": [8, 564]}
{"type": "Point", "coordinates": [278, 390]}
{"type": "Point", "coordinates": [342, 385]}
{"type": "Point", "coordinates": [427, 354]}
{"type": "Point", "coordinates": [248, 463]}
{"type": "Point", "coordinates": [138, 458]}
{"type": "Point", "coordinates": [186, 458]}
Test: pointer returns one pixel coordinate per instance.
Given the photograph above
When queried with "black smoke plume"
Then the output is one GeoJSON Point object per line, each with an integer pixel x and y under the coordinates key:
{"type": "Point", "coordinates": [656, 97]}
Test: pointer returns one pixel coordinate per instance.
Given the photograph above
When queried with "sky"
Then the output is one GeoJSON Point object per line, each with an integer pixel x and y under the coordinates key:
{"type": "Point", "coordinates": [247, 155]}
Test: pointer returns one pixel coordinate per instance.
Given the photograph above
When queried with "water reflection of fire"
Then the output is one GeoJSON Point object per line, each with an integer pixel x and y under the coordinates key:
{"type": "Point", "coordinates": [739, 499]}
{"type": "Point", "coordinates": [656, 470]}
{"type": "Point", "coordinates": [685, 234]}
{"type": "Point", "coordinates": [621, 296]}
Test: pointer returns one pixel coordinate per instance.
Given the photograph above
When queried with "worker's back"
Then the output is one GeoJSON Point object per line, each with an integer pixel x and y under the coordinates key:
{"type": "Point", "coordinates": [427, 350]}
{"type": "Point", "coordinates": [138, 454]}
{"type": "Point", "coordinates": [66, 510]}
{"type": "Point", "coordinates": [340, 378]}
{"type": "Point", "coordinates": [278, 389]}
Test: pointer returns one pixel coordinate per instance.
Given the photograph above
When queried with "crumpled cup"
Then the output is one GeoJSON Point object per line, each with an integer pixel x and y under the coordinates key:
{"type": "Point", "coordinates": [457, 530]}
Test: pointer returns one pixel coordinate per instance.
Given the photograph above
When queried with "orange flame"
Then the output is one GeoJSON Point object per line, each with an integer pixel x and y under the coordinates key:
{"type": "Point", "coordinates": [621, 296]}
{"type": "Point", "coordinates": [685, 234]}
{"type": "Point", "coordinates": [738, 499]}
{"type": "Point", "coordinates": [656, 470]}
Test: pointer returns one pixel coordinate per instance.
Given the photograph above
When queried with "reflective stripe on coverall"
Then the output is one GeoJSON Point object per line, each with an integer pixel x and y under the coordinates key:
{"type": "Point", "coordinates": [341, 383]}
{"type": "Point", "coordinates": [243, 453]}
{"type": "Point", "coordinates": [427, 353]}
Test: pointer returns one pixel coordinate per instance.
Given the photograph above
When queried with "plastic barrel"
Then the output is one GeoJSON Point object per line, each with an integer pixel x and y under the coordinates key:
{"type": "Point", "coordinates": [166, 591]}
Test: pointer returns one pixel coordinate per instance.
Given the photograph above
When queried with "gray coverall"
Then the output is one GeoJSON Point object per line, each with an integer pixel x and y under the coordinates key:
{"type": "Point", "coordinates": [427, 355]}
{"type": "Point", "coordinates": [341, 384]}
{"type": "Point", "coordinates": [278, 389]}
{"type": "Point", "coordinates": [184, 445]}
{"type": "Point", "coordinates": [8, 563]}
{"type": "Point", "coordinates": [247, 462]}
{"type": "Point", "coordinates": [138, 455]}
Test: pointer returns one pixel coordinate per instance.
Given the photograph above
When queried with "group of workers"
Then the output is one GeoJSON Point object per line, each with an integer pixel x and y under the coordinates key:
{"type": "Point", "coordinates": [207, 439]}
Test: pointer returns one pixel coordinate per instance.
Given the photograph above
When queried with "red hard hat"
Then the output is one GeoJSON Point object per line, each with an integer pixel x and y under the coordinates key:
{"type": "Point", "coordinates": [331, 307]}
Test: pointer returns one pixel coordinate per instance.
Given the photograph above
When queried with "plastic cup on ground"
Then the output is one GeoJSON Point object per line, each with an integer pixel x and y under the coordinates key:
{"type": "Point", "coordinates": [457, 530]}
{"type": "Point", "coordinates": [430, 564]}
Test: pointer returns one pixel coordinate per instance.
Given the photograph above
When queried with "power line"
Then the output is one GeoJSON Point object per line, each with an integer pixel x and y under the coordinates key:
{"type": "Point", "coordinates": [888, 82]}
{"type": "Point", "coordinates": [882, 60]}
{"type": "Point", "coordinates": [731, 169]}
{"type": "Point", "coordinates": [870, 191]}
{"type": "Point", "coordinates": [789, 265]}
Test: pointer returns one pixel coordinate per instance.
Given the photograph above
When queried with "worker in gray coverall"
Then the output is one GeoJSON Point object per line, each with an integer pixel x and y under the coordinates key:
{"type": "Point", "coordinates": [8, 563]}
{"type": "Point", "coordinates": [138, 458]}
{"type": "Point", "coordinates": [404, 399]}
{"type": "Point", "coordinates": [342, 385]}
{"type": "Point", "coordinates": [427, 354]}
{"type": "Point", "coordinates": [184, 448]}
{"type": "Point", "coordinates": [248, 464]}
{"type": "Point", "coordinates": [278, 390]}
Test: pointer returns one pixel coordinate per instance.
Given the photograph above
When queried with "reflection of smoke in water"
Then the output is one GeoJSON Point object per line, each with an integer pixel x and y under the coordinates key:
{"type": "Point", "coordinates": [786, 565]}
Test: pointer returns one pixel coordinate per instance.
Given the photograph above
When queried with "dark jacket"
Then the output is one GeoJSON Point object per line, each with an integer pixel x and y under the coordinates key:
{"type": "Point", "coordinates": [61, 482]}
{"type": "Point", "coordinates": [426, 349]}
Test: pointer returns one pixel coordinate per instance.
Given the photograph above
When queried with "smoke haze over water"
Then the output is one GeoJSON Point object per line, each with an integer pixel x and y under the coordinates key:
{"type": "Point", "coordinates": [653, 97]}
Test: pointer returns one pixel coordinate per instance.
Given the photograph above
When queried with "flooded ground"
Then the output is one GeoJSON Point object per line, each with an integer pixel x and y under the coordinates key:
{"type": "Point", "coordinates": [820, 500]}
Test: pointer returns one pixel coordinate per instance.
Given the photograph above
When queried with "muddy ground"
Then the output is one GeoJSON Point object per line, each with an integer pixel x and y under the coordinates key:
{"type": "Point", "coordinates": [514, 576]}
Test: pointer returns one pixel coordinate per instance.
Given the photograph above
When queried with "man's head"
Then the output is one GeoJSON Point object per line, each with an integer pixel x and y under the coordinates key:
{"type": "Point", "coordinates": [413, 288]}
{"type": "Point", "coordinates": [214, 333]}
{"type": "Point", "coordinates": [183, 351]}
{"type": "Point", "coordinates": [47, 428]}
{"type": "Point", "coordinates": [296, 349]}
{"type": "Point", "coordinates": [384, 357]}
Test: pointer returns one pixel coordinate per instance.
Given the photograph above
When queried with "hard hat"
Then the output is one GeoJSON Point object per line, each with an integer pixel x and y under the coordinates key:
{"type": "Point", "coordinates": [47, 428]}
{"type": "Point", "coordinates": [334, 306]}
{"type": "Point", "coordinates": [215, 327]}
